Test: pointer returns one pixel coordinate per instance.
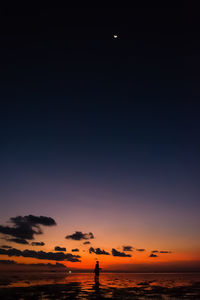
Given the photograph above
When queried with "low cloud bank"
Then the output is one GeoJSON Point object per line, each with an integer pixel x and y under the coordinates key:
{"type": "Point", "coordinates": [59, 256]}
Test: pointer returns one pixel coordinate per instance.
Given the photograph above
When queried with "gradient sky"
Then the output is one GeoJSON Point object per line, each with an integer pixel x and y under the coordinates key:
{"type": "Point", "coordinates": [102, 134]}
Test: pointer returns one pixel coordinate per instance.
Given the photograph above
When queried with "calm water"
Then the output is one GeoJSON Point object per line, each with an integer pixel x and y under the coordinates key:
{"type": "Point", "coordinates": [86, 280]}
{"type": "Point", "coordinates": [109, 286]}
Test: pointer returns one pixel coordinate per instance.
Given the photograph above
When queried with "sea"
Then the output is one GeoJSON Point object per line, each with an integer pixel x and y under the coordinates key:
{"type": "Point", "coordinates": [58, 285]}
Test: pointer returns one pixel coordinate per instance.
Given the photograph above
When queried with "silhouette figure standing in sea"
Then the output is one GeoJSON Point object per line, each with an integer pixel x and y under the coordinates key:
{"type": "Point", "coordinates": [96, 277]}
{"type": "Point", "coordinates": [97, 269]}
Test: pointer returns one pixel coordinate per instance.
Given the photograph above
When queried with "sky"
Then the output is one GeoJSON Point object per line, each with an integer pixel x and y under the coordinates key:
{"type": "Point", "coordinates": [100, 135]}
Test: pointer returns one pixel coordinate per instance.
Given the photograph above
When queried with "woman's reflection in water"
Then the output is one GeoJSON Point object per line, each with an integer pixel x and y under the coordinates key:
{"type": "Point", "coordinates": [96, 284]}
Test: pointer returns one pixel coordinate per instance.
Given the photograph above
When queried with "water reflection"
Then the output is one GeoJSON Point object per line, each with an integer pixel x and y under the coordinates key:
{"type": "Point", "coordinates": [96, 286]}
{"type": "Point", "coordinates": [96, 280]}
{"type": "Point", "coordinates": [113, 285]}
{"type": "Point", "coordinates": [88, 280]}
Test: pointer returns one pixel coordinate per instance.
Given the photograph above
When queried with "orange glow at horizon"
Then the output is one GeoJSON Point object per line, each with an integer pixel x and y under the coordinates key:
{"type": "Point", "coordinates": [117, 230]}
{"type": "Point", "coordinates": [109, 262]}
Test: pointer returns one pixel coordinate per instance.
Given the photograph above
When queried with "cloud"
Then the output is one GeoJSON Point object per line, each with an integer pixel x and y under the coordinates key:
{"type": "Point", "coordinates": [120, 254]}
{"type": "Point", "coordinates": [7, 262]}
{"type": "Point", "coordinates": [98, 251]}
{"type": "Point", "coordinates": [153, 255]}
{"type": "Point", "coordinates": [78, 236]}
{"type": "Point", "coordinates": [86, 243]}
{"type": "Point", "coordinates": [37, 243]}
{"type": "Point", "coordinates": [75, 250]}
{"type": "Point", "coordinates": [101, 252]}
{"type": "Point", "coordinates": [140, 250]}
{"type": "Point", "coordinates": [12, 262]}
{"type": "Point", "coordinates": [18, 241]}
{"type": "Point", "coordinates": [6, 247]}
{"type": "Point", "coordinates": [127, 248]}
{"type": "Point", "coordinates": [34, 220]}
{"type": "Point", "coordinates": [24, 228]}
{"type": "Point", "coordinates": [156, 251]}
{"type": "Point", "coordinates": [58, 256]}
{"type": "Point", "coordinates": [92, 250]}
{"type": "Point", "coordinates": [57, 248]}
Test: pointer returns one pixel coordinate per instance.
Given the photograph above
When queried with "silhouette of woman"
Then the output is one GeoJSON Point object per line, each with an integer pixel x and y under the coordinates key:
{"type": "Point", "coordinates": [96, 277]}
{"type": "Point", "coordinates": [97, 269]}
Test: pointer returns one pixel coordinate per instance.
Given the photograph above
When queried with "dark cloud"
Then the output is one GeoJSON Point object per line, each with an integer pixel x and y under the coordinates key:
{"type": "Point", "coordinates": [165, 252]}
{"type": "Point", "coordinates": [86, 243]}
{"type": "Point", "coordinates": [11, 252]}
{"type": "Point", "coordinates": [101, 252]}
{"type": "Point", "coordinates": [120, 254]}
{"type": "Point", "coordinates": [24, 228]}
{"type": "Point", "coordinates": [153, 255]}
{"type": "Point", "coordinates": [78, 236]}
{"type": "Point", "coordinates": [18, 241]}
{"type": "Point", "coordinates": [57, 248]}
{"type": "Point", "coordinates": [127, 248]}
{"type": "Point", "coordinates": [140, 250]}
{"type": "Point", "coordinates": [6, 247]}
{"type": "Point", "coordinates": [75, 250]}
{"type": "Point", "coordinates": [98, 251]}
{"type": "Point", "coordinates": [59, 256]}
{"type": "Point", "coordinates": [154, 251]}
{"type": "Point", "coordinates": [92, 250]}
{"type": "Point", "coordinates": [12, 262]}
{"type": "Point", "coordinates": [34, 220]}
{"type": "Point", "coordinates": [37, 243]}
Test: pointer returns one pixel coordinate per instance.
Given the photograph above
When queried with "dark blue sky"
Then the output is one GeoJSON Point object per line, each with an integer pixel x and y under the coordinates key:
{"type": "Point", "coordinates": [69, 90]}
